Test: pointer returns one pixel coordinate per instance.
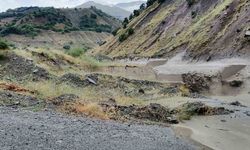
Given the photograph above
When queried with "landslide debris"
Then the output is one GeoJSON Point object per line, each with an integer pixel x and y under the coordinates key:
{"type": "Point", "coordinates": [15, 100]}
{"type": "Point", "coordinates": [20, 69]}
{"type": "Point", "coordinates": [128, 87]}
{"type": "Point", "coordinates": [196, 82]}
{"type": "Point", "coordinates": [158, 113]}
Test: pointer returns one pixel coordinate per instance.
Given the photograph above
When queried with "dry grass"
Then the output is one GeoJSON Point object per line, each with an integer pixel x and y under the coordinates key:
{"type": "Point", "coordinates": [71, 64]}
{"type": "Point", "coordinates": [124, 100]}
{"type": "Point", "coordinates": [49, 89]}
{"type": "Point", "coordinates": [90, 109]}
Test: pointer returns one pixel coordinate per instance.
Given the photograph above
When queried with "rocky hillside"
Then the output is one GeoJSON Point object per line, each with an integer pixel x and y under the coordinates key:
{"type": "Point", "coordinates": [205, 29]}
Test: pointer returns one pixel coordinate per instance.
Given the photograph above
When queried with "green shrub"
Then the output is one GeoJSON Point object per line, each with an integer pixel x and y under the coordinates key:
{"type": "Point", "coordinates": [191, 2]}
{"type": "Point", "coordinates": [89, 23]}
{"type": "Point", "coordinates": [136, 13]}
{"type": "Point", "coordinates": [76, 52]}
{"type": "Point", "coordinates": [161, 1]}
{"type": "Point", "coordinates": [131, 16]}
{"type": "Point", "coordinates": [3, 45]}
{"type": "Point", "coordinates": [115, 31]}
{"type": "Point", "coordinates": [122, 37]}
{"type": "Point", "coordinates": [125, 35]}
{"type": "Point", "coordinates": [66, 47]}
{"type": "Point", "coordinates": [130, 31]}
{"type": "Point", "coordinates": [125, 23]}
{"type": "Point", "coordinates": [26, 29]}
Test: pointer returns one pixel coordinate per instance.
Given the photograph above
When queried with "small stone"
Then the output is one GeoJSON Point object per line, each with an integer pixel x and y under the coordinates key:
{"type": "Point", "coordinates": [247, 34]}
{"type": "Point", "coordinates": [237, 103]}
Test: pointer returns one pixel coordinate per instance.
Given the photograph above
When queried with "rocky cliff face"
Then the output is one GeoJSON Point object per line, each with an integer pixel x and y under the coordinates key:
{"type": "Point", "coordinates": [205, 29]}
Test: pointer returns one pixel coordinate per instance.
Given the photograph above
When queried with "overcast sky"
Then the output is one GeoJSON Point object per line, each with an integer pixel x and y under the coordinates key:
{"type": "Point", "coordinates": [6, 4]}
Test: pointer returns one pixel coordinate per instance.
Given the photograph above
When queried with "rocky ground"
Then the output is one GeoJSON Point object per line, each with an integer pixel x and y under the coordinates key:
{"type": "Point", "coordinates": [27, 130]}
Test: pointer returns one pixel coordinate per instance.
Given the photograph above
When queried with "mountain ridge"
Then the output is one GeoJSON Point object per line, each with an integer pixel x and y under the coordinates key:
{"type": "Point", "coordinates": [130, 6]}
{"type": "Point", "coordinates": [111, 10]}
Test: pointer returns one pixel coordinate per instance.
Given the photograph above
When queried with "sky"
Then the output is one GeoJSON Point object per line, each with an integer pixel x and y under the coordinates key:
{"type": "Point", "coordinates": [7, 4]}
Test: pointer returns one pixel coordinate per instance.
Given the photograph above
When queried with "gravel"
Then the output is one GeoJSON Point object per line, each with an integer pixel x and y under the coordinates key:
{"type": "Point", "coordinates": [27, 130]}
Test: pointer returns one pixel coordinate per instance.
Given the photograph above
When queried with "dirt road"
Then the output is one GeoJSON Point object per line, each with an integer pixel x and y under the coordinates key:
{"type": "Point", "coordinates": [26, 130]}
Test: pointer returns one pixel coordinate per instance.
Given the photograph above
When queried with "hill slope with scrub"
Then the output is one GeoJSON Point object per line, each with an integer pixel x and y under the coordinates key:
{"type": "Point", "coordinates": [205, 29]}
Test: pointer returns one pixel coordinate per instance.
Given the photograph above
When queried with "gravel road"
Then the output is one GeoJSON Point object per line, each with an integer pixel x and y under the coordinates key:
{"type": "Point", "coordinates": [27, 130]}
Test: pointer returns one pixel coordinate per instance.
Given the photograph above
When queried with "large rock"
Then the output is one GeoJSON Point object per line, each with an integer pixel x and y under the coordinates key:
{"type": "Point", "coordinates": [196, 82]}
{"type": "Point", "coordinates": [247, 34]}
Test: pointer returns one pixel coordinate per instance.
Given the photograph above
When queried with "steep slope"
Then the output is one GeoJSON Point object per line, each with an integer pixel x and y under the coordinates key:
{"type": "Point", "coordinates": [111, 10]}
{"type": "Point", "coordinates": [205, 29]}
{"type": "Point", "coordinates": [130, 6]}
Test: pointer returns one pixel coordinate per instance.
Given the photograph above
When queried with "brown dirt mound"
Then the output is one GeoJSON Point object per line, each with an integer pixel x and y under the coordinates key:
{"type": "Point", "coordinates": [159, 113]}
{"type": "Point", "coordinates": [14, 88]}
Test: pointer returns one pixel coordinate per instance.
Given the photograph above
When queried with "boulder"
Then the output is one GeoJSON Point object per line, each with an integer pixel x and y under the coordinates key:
{"type": "Point", "coordinates": [247, 34]}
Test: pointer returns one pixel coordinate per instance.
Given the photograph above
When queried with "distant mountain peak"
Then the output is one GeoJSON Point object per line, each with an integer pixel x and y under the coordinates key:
{"type": "Point", "coordinates": [111, 10]}
{"type": "Point", "coordinates": [130, 6]}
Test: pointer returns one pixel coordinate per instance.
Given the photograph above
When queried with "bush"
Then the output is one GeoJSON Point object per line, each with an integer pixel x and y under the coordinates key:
{"type": "Point", "coordinates": [122, 37]}
{"type": "Point", "coordinates": [90, 23]}
{"type": "Point", "coordinates": [131, 16]}
{"type": "Point", "coordinates": [150, 2]}
{"type": "Point", "coordinates": [136, 13]}
{"type": "Point", "coordinates": [130, 31]}
{"type": "Point", "coordinates": [142, 7]}
{"type": "Point", "coordinates": [191, 2]}
{"type": "Point", "coordinates": [3, 45]}
{"type": "Point", "coordinates": [125, 23]}
{"type": "Point", "coordinates": [161, 1]}
{"type": "Point", "coordinates": [76, 52]}
{"type": "Point", "coordinates": [67, 47]}
{"type": "Point", "coordinates": [115, 31]}
{"type": "Point", "coordinates": [26, 29]}
{"type": "Point", "coordinates": [125, 35]}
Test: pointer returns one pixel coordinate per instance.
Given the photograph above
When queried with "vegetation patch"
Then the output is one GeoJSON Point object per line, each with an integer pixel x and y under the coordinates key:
{"type": "Point", "coordinates": [125, 35]}
{"type": "Point", "coordinates": [76, 52]}
{"type": "Point", "coordinates": [3, 45]}
{"type": "Point", "coordinates": [88, 109]}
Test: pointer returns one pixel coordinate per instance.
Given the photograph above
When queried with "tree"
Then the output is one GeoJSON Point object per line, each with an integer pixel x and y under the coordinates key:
{"type": "Point", "coordinates": [122, 37]}
{"type": "Point", "coordinates": [190, 2]}
{"type": "Point", "coordinates": [142, 7]}
{"type": "Point", "coordinates": [161, 1]}
{"type": "Point", "coordinates": [136, 13]}
{"type": "Point", "coordinates": [150, 2]}
{"type": "Point", "coordinates": [131, 16]}
{"type": "Point", "coordinates": [125, 23]}
{"type": "Point", "coordinates": [130, 31]}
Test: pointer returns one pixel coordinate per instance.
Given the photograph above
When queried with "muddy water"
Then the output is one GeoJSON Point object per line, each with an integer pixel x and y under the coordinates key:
{"type": "Point", "coordinates": [228, 132]}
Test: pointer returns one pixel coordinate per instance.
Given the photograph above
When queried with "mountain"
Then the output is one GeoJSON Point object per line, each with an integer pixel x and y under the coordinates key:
{"type": "Point", "coordinates": [50, 25]}
{"type": "Point", "coordinates": [130, 6]}
{"type": "Point", "coordinates": [204, 29]}
{"type": "Point", "coordinates": [111, 10]}
{"type": "Point", "coordinates": [29, 20]}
